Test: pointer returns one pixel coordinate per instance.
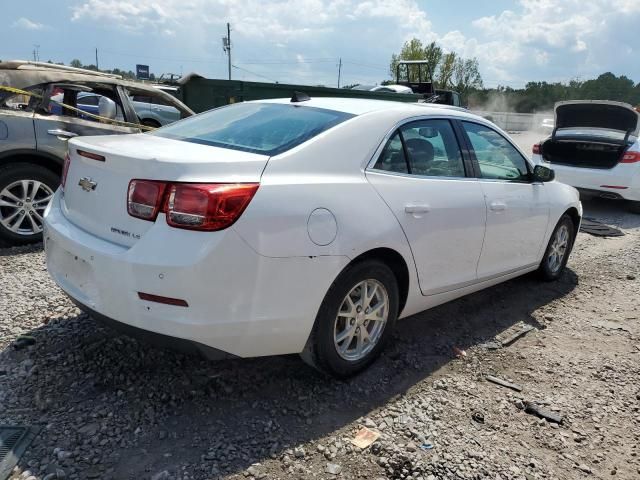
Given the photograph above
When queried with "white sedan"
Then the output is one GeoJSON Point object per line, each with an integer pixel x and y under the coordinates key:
{"type": "Point", "coordinates": [595, 146]}
{"type": "Point", "coordinates": [305, 226]}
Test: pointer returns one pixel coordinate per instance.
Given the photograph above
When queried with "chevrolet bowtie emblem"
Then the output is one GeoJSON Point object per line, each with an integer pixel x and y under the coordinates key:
{"type": "Point", "coordinates": [87, 184]}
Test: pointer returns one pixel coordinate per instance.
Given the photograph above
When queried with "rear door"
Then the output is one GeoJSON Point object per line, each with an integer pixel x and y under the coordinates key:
{"type": "Point", "coordinates": [55, 125]}
{"type": "Point", "coordinates": [517, 208]}
{"type": "Point", "coordinates": [424, 179]}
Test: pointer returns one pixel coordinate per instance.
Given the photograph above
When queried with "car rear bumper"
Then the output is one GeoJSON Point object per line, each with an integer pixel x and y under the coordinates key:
{"type": "Point", "coordinates": [239, 302]}
{"type": "Point", "coordinates": [621, 181]}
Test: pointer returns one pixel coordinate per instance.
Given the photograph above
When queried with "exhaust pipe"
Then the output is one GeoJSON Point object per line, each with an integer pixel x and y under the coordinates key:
{"type": "Point", "coordinates": [610, 196]}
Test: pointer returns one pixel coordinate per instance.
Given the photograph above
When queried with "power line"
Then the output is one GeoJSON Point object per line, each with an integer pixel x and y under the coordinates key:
{"type": "Point", "coordinates": [254, 73]}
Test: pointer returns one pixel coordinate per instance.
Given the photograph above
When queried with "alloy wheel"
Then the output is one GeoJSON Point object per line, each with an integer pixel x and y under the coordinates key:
{"type": "Point", "coordinates": [22, 206]}
{"type": "Point", "coordinates": [558, 250]}
{"type": "Point", "coordinates": [361, 319]}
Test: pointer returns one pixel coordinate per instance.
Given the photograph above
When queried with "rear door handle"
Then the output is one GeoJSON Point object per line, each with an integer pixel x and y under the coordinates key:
{"type": "Point", "coordinates": [419, 208]}
{"type": "Point", "coordinates": [498, 206]}
{"type": "Point", "coordinates": [62, 133]}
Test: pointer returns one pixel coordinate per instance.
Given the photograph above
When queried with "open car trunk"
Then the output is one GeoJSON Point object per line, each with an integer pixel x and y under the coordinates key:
{"type": "Point", "coordinates": [590, 133]}
{"type": "Point", "coordinates": [583, 153]}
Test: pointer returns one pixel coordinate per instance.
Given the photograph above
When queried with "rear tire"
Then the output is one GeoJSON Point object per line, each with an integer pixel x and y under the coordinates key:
{"type": "Point", "coordinates": [16, 203]}
{"type": "Point", "coordinates": [558, 249]}
{"type": "Point", "coordinates": [634, 207]}
{"type": "Point", "coordinates": [350, 331]}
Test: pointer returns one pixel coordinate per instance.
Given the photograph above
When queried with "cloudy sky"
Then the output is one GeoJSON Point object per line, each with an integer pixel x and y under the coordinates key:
{"type": "Point", "coordinates": [300, 41]}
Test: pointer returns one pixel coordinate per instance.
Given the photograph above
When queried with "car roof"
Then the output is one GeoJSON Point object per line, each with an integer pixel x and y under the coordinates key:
{"type": "Point", "coordinates": [360, 106]}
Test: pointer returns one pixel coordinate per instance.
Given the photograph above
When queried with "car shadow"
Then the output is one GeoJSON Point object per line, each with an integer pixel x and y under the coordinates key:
{"type": "Point", "coordinates": [129, 410]}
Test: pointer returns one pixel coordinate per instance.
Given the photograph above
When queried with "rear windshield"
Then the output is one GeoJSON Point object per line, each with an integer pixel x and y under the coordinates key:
{"type": "Point", "coordinates": [263, 128]}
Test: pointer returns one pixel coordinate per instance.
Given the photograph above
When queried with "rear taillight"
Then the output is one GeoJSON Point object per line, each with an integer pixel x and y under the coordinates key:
{"type": "Point", "coordinates": [537, 149]}
{"type": "Point", "coordinates": [201, 206]}
{"type": "Point", "coordinates": [630, 157]}
{"type": "Point", "coordinates": [194, 206]}
{"type": "Point", "coordinates": [65, 170]}
{"type": "Point", "coordinates": [145, 198]}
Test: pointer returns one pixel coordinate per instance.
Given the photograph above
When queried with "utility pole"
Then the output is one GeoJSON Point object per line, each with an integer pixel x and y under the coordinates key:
{"type": "Point", "coordinates": [339, 71]}
{"type": "Point", "coordinates": [97, 66]}
{"type": "Point", "coordinates": [36, 53]}
{"type": "Point", "coordinates": [226, 46]}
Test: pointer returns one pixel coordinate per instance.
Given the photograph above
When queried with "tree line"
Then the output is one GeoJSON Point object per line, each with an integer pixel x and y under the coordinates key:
{"type": "Point", "coordinates": [451, 71]}
{"type": "Point", "coordinates": [541, 96]}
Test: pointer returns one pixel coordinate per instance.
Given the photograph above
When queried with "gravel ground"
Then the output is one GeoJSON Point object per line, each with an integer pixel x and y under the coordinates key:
{"type": "Point", "coordinates": [113, 408]}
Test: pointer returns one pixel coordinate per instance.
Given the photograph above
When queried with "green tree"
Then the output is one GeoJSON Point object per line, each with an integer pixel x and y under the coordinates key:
{"type": "Point", "coordinates": [466, 76]}
{"type": "Point", "coordinates": [411, 50]}
{"type": "Point", "coordinates": [446, 70]}
{"type": "Point", "coordinates": [76, 63]}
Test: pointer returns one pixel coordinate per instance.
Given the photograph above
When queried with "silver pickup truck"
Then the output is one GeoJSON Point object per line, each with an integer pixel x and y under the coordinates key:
{"type": "Point", "coordinates": [34, 131]}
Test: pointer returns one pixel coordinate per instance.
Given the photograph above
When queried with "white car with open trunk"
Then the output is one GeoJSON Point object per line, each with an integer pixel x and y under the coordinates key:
{"type": "Point", "coordinates": [305, 226]}
{"type": "Point", "coordinates": [594, 147]}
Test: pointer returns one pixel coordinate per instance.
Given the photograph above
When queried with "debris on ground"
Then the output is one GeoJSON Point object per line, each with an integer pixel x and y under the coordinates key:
{"type": "Point", "coordinates": [365, 437]}
{"type": "Point", "coordinates": [478, 417]}
{"type": "Point", "coordinates": [599, 229]}
{"type": "Point", "coordinates": [333, 468]}
{"type": "Point", "coordinates": [515, 336]}
{"type": "Point", "coordinates": [459, 352]}
{"type": "Point", "coordinates": [504, 383]}
{"type": "Point", "coordinates": [24, 341]}
{"type": "Point", "coordinates": [542, 412]}
{"type": "Point", "coordinates": [491, 345]}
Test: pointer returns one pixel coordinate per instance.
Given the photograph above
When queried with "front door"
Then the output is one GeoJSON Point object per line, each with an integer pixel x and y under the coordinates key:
{"type": "Point", "coordinates": [422, 177]}
{"type": "Point", "coordinates": [517, 208]}
{"type": "Point", "coordinates": [55, 125]}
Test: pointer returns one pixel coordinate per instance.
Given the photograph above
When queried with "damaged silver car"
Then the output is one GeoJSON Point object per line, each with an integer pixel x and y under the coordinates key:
{"type": "Point", "coordinates": [34, 130]}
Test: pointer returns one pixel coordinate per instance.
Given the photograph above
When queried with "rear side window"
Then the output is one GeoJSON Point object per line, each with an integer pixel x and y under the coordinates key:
{"type": "Point", "coordinates": [392, 158]}
{"type": "Point", "coordinates": [263, 128]}
{"type": "Point", "coordinates": [426, 148]}
{"type": "Point", "coordinates": [432, 149]}
{"type": "Point", "coordinates": [498, 159]}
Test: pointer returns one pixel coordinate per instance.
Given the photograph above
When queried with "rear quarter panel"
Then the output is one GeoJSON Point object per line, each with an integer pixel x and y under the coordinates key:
{"type": "Point", "coordinates": [325, 173]}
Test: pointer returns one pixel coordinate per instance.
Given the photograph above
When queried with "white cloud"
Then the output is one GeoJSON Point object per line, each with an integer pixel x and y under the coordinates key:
{"type": "Point", "coordinates": [27, 24]}
{"type": "Point", "coordinates": [533, 40]}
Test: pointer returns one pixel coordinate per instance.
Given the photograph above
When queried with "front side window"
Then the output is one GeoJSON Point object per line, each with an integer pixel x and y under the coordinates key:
{"type": "Point", "coordinates": [498, 159]}
{"type": "Point", "coordinates": [263, 128]}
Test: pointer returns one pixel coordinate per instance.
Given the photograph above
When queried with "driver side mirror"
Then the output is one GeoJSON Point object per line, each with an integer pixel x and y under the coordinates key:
{"type": "Point", "coordinates": [107, 108]}
{"type": "Point", "coordinates": [543, 174]}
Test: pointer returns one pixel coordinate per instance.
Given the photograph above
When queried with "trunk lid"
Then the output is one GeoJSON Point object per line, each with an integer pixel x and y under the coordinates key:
{"type": "Point", "coordinates": [95, 194]}
{"type": "Point", "coordinates": [600, 114]}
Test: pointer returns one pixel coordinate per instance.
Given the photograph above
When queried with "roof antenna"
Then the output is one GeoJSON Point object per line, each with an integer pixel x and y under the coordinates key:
{"type": "Point", "coordinates": [300, 97]}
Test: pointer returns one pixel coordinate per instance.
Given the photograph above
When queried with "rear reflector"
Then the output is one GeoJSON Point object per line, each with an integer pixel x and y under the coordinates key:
{"type": "Point", "coordinates": [178, 302]}
{"type": "Point", "coordinates": [207, 206]}
{"type": "Point", "coordinates": [92, 156]}
{"type": "Point", "coordinates": [630, 157]}
{"type": "Point", "coordinates": [618, 187]}
{"type": "Point", "coordinates": [65, 170]}
{"type": "Point", "coordinates": [144, 198]}
{"type": "Point", "coordinates": [537, 149]}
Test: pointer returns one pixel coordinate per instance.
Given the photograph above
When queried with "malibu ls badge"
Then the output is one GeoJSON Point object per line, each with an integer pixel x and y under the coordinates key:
{"type": "Point", "coordinates": [87, 184]}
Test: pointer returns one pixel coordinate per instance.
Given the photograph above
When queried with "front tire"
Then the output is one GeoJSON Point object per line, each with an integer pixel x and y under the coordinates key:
{"type": "Point", "coordinates": [355, 321]}
{"type": "Point", "coordinates": [558, 249]}
{"type": "Point", "coordinates": [25, 192]}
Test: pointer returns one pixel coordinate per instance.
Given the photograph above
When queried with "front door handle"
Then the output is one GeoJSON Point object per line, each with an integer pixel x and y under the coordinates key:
{"type": "Point", "coordinates": [498, 206]}
{"type": "Point", "coordinates": [62, 133]}
{"type": "Point", "coordinates": [419, 208]}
